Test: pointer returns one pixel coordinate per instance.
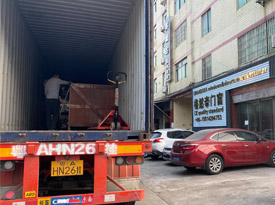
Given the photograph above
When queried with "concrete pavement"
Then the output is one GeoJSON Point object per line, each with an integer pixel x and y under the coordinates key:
{"type": "Point", "coordinates": [165, 183]}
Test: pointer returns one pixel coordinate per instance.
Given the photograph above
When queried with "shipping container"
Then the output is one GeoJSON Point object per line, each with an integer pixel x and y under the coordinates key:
{"type": "Point", "coordinates": [81, 41]}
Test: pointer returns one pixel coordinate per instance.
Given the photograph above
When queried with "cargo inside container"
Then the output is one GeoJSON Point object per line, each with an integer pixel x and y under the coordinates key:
{"type": "Point", "coordinates": [81, 40]}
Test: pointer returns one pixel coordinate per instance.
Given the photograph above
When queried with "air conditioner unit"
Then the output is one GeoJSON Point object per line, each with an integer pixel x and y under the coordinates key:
{"type": "Point", "coordinates": [162, 29]}
{"type": "Point", "coordinates": [163, 2]}
{"type": "Point", "coordinates": [162, 61]}
{"type": "Point", "coordinates": [273, 41]}
{"type": "Point", "coordinates": [260, 2]}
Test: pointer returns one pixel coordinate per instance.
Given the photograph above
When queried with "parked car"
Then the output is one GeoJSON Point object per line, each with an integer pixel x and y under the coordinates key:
{"type": "Point", "coordinates": [162, 137]}
{"type": "Point", "coordinates": [214, 149]}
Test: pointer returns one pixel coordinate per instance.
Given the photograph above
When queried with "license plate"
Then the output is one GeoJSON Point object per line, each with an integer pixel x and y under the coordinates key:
{"type": "Point", "coordinates": [176, 159]}
{"type": "Point", "coordinates": [66, 168]}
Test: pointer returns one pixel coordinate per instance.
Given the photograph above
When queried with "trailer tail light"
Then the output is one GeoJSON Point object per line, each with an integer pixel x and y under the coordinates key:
{"type": "Point", "coordinates": [119, 160]}
{"type": "Point", "coordinates": [158, 140]}
{"type": "Point", "coordinates": [7, 165]}
{"type": "Point", "coordinates": [9, 195]}
{"type": "Point", "coordinates": [139, 160]}
{"type": "Point", "coordinates": [131, 160]}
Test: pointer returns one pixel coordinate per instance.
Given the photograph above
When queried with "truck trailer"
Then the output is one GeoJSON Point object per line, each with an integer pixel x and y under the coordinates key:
{"type": "Point", "coordinates": [82, 41]}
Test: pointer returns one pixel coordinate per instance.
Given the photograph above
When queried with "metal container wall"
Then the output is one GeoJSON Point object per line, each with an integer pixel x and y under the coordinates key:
{"type": "Point", "coordinates": [130, 57]}
{"type": "Point", "coordinates": [21, 68]}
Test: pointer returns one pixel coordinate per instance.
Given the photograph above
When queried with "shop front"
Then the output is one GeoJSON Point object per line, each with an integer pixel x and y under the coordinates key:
{"type": "Point", "coordinates": [244, 99]}
{"type": "Point", "coordinates": [253, 108]}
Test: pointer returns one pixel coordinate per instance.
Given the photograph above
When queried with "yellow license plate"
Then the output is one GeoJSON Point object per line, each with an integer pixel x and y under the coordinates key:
{"type": "Point", "coordinates": [66, 168]}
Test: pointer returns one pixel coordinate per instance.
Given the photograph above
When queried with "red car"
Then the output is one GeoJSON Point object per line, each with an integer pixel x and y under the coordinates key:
{"type": "Point", "coordinates": [214, 149]}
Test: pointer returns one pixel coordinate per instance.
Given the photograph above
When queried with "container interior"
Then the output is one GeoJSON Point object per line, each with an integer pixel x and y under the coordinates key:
{"type": "Point", "coordinates": [81, 40]}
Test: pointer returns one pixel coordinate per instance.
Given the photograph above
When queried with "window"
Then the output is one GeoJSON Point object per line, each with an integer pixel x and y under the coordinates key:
{"type": "Point", "coordinates": [155, 135]}
{"type": "Point", "coordinates": [256, 42]}
{"type": "Point", "coordinates": [155, 6]}
{"type": "Point", "coordinates": [163, 80]}
{"type": "Point", "coordinates": [180, 34]}
{"type": "Point", "coordinates": [242, 2]}
{"type": "Point", "coordinates": [178, 134]}
{"type": "Point", "coordinates": [227, 137]}
{"type": "Point", "coordinates": [175, 135]}
{"type": "Point", "coordinates": [187, 133]}
{"type": "Point", "coordinates": [206, 67]}
{"type": "Point", "coordinates": [155, 59]}
{"type": "Point", "coordinates": [270, 32]}
{"type": "Point", "coordinates": [164, 16]}
{"type": "Point", "coordinates": [246, 136]}
{"type": "Point", "coordinates": [181, 69]}
{"type": "Point", "coordinates": [199, 135]}
{"type": "Point", "coordinates": [155, 86]}
{"type": "Point", "coordinates": [252, 45]}
{"type": "Point", "coordinates": [206, 22]}
{"type": "Point", "coordinates": [178, 4]}
{"type": "Point", "coordinates": [163, 50]}
{"type": "Point", "coordinates": [155, 32]}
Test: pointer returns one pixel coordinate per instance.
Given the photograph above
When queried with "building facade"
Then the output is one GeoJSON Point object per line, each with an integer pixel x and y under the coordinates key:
{"type": "Point", "coordinates": [219, 52]}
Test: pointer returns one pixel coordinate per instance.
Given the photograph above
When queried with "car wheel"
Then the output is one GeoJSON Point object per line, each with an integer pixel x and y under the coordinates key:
{"type": "Point", "coordinates": [190, 168]}
{"type": "Point", "coordinates": [154, 157]}
{"type": "Point", "coordinates": [214, 164]}
{"type": "Point", "coordinates": [272, 159]}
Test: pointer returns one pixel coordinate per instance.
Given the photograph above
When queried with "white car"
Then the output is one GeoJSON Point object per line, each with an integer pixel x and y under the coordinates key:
{"type": "Point", "coordinates": [165, 138]}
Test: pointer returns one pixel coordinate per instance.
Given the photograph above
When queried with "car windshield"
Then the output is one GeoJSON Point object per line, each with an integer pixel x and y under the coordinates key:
{"type": "Point", "coordinates": [198, 135]}
{"type": "Point", "coordinates": [155, 135]}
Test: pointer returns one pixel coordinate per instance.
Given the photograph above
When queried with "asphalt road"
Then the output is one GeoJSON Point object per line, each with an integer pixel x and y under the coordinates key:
{"type": "Point", "coordinates": [165, 183]}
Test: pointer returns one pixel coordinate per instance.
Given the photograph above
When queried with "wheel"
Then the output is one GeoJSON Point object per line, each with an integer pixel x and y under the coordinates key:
{"type": "Point", "coordinates": [214, 164]}
{"type": "Point", "coordinates": [272, 159]}
{"type": "Point", "coordinates": [154, 157]}
{"type": "Point", "coordinates": [129, 203]}
{"type": "Point", "coordinates": [190, 168]}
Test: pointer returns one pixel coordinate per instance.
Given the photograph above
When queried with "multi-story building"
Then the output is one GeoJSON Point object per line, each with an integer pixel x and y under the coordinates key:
{"type": "Point", "coordinates": [214, 64]}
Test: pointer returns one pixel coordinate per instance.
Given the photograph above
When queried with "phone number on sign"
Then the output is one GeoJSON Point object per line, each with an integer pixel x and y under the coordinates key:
{"type": "Point", "coordinates": [209, 118]}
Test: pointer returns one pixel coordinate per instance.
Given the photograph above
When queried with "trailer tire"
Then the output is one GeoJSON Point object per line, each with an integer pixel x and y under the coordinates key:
{"type": "Point", "coordinates": [154, 157]}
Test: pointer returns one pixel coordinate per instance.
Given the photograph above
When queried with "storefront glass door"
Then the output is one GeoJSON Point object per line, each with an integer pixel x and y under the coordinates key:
{"type": "Point", "coordinates": [258, 116]}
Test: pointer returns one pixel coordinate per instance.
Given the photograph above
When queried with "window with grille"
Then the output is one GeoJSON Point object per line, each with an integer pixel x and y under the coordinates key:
{"type": "Point", "coordinates": [181, 69]}
{"type": "Point", "coordinates": [270, 32]}
{"type": "Point", "coordinates": [180, 34]}
{"type": "Point", "coordinates": [256, 42]}
{"type": "Point", "coordinates": [179, 4]}
{"type": "Point", "coordinates": [242, 2]}
{"type": "Point", "coordinates": [206, 22]}
{"type": "Point", "coordinates": [206, 67]}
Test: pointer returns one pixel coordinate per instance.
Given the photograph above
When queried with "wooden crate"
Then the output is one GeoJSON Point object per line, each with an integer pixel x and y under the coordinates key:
{"type": "Point", "coordinates": [89, 104]}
